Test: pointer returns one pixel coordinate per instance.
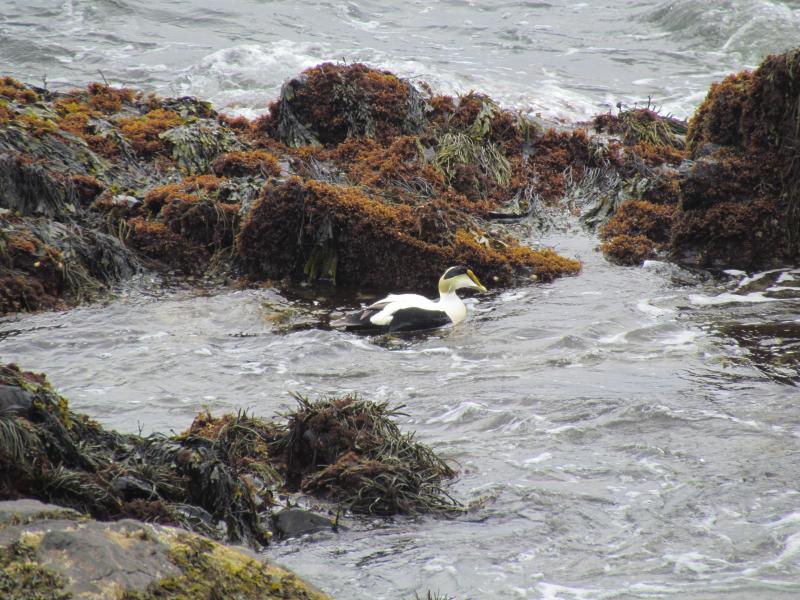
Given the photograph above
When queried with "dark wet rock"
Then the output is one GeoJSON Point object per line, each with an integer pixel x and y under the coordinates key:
{"type": "Point", "coordinates": [708, 181]}
{"type": "Point", "coordinates": [131, 487]}
{"type": "Point", "coordinates": [15, 401]}
{"type": "Point", "coordinates": [28, 188]}
{"type": "Point", "coordinates": [295, 521]}
{"type": "Point", "coordinates": [14, 512]}
{"type": "Point", "coordinates": [51, 553]}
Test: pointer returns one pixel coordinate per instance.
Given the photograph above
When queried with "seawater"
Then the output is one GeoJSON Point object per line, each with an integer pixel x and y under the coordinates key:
{"type": "Point", "coordinates": [626, 433]}
{"type": "Point", "coordinates": [557, 57]}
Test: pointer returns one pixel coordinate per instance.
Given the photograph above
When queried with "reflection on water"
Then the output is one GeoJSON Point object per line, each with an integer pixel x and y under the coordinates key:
{"type": "Point", "coordinates": [627, 433]}
{"type": "Point", "coordinates": [760, 315]}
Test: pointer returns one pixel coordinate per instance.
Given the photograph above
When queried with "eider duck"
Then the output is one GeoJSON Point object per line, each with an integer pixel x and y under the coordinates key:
{"type": "Point", "coordinates": [412, 312]}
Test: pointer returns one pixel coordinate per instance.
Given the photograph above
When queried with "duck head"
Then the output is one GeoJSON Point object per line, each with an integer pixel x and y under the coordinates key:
{"type": "Point", "coordinates": [456, 278]}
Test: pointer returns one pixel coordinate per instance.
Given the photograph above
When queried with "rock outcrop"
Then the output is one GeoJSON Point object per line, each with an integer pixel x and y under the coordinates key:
{"type": "Point", "coordinates": [48, 552]}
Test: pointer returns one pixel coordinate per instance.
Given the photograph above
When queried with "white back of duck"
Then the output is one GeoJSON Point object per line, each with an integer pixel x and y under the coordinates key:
{"type": "Point", "coordinates": [412, 312]}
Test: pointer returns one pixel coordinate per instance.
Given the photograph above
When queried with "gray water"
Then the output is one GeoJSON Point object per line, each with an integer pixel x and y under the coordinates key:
{"type": "Point", "coordinates": [558, 57]}
{"type": "Point", "coordinates": [626, 433]}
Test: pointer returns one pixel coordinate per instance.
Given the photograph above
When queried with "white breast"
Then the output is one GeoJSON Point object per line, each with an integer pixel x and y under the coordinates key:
{"type": "Point", "coordinates": [453, 306]}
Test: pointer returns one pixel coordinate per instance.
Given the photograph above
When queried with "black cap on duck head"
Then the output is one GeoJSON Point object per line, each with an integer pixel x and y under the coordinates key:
{"type": "Point", "coordinates": [453, 271]}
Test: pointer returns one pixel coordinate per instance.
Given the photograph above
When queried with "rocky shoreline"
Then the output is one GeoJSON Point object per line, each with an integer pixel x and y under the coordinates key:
{"type": "Point", "coordinates": [49, 552]}
{"type": "Point", "coordinates": [357, 179]}
{"type": "Point", "coordinates": [233, 478]}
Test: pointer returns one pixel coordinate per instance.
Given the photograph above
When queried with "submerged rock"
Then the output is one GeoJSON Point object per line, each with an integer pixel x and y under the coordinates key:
{"type": "Point", "coordinates": [53, 553]}
{"type": "Point", "coordinates": [295, 521]}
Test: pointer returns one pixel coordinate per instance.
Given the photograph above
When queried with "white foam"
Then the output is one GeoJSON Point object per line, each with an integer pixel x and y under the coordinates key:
{"type": "Point", "coordinates": [735, 273]}
{"type": "Point", "coordinates": [728, 298]}
{"type": "Point", "coordinates": [512, 296]}
{"type": "Point", "coordinates": [534, 460]}
{"type": "Point", "coordinates": [691, 562]}
{"type": "Point", "coordinates": [244, 79]}
{"type": "Point", "coordinates": [552, 591]}
{"type": "Point", "coordinates": [732, 419]}
{"type": "Point", "coordinates": [748, 279]}
{"type": "Point", "coordinates": [680, 339]}
{"type": "Point", "coordinates": [617, 338]}
{"type": "Point", "coordinates": [153, 336]}
{"type": "Point", "coordinates": [791, 548]}
{"type": "Point", "coordinates": [790, 519]}
{"type": "Point", "coordinates": [654, 311]}
{"type": "Point", "coordinates": [458, 413]}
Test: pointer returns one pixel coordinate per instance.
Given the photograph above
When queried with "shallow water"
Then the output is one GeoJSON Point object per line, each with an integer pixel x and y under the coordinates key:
{"type": "Point", "coordinates": [626, 433]}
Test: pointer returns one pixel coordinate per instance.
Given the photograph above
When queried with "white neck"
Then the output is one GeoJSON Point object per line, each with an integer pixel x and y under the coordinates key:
{"type": "Point", "coordinates": [453, 306]}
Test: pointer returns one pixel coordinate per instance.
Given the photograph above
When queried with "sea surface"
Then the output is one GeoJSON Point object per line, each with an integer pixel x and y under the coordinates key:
{"type": "Point", "coordinates": [628, 433]}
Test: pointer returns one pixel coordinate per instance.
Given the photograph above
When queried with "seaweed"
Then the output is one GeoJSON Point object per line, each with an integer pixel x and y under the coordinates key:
{"type": "Point", "coordinates": [154, 240]}
{"type": "Point", "coordinates": [28, 187]}
{"type": "Point", "coordinates": [351, 450]}
{"type": "Point", "coordinates": [637, 231]}
{"type": "Point", "coordinates": [17, 91]}
{"type": "Point", "coordinates": [329, 103]}
{"type": "Point", "coordinates": [225, 469]}
{"type": "Point", "coordinates": [310, 227]}
{"type": "Point", "coordinates": [195, 146]}
{"type": "Point", "coordinates": [246, 163]}
{"type": "Point", "coordinates": [644, 126]}
{"type": "Point", "coordinates": [145, 132]}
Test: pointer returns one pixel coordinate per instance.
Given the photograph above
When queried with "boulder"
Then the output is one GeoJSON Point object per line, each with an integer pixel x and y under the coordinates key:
{"type": "Point", "coordinates": [53, 553]}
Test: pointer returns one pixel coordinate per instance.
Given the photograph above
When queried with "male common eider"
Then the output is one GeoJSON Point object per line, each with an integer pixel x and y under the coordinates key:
{"type": "Point", "coordinates": [412, 312]}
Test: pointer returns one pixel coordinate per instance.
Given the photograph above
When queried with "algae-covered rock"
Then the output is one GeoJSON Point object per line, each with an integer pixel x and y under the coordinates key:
{"type": "Point", "coordinates": [731, 198]}
{"type": "Point", "coordinates": [741, 198]}
{"type": "Point", "coordinates": [311, 229]}
{"type": "Point", "coordinates": [397, 185]}
{"type": "Point", "coordinates": [55, 455]}
{"type": "Point", "coordinates": [331, 102]}
{"type": "Point", "coordinates": [351, 451]}
{"type": "Point", "coordinates": [637, 231]}
{"type": "Point", "coordinates": [50, 553]}
{"type": "Point", "coordinates": [221, 476]}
